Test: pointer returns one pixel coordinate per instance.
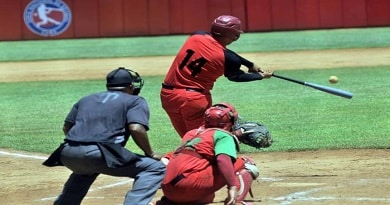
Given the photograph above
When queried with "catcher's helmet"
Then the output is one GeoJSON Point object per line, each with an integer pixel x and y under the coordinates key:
{"type": "Point", "coordinates": [226, 26]}
{"type": "Point", "coordinates": [121, 77]}
{"type": "Point", "coordinates": [221, 115]}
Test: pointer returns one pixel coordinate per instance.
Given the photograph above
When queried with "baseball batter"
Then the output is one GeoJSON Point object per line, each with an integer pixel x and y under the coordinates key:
{"type": "Point", "coordinates": [185, 93]}
{"type": "Point", "coordinates": [206, 161]}
{"type": "Point", "coordinates": [97, 129]}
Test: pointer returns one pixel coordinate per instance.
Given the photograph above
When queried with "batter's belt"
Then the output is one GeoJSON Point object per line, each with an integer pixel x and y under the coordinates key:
{"type": "Point", "coordinates": [171, 87]}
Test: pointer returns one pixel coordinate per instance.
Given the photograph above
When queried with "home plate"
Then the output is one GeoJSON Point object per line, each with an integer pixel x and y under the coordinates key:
{"type": "Point", "coordinates": [292, 184]}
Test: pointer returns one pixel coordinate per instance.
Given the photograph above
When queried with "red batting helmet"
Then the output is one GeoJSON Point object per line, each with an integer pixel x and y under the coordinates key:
{"type": "Point", "coordinates": [221, 115]}
{"type": "Point", "coordinates": [226, 26]}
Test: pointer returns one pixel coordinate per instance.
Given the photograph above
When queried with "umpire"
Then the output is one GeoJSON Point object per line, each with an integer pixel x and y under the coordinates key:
{"type": "Point", "coordinates": [97, 129]}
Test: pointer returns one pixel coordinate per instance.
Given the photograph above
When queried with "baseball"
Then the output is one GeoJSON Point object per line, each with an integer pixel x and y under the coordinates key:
{"type": "Point", "coordinates": [333, 79]}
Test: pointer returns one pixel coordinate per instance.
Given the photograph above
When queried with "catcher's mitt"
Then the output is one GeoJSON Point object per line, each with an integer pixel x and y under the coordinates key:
{"type": "Point", "coordinates": [253, 134]}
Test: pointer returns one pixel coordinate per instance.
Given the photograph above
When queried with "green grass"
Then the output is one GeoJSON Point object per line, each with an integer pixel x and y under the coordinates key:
{"type": "Point", "coordinates": [168, 45]}
{"type": "Point", "coordinates": [298, 117]}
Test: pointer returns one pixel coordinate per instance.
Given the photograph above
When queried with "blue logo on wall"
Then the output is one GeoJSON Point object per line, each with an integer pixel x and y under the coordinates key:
{"type": "Point", "coordinates": [47, 17]}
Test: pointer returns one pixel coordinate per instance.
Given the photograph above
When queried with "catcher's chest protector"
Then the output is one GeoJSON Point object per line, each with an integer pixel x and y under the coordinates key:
{"type": "Point", "coordinates": [244, 181]}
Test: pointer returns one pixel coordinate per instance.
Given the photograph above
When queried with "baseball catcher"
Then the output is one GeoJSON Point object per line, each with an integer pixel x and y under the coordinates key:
{"type": "Point", "coordinates": [206, 161]}
{"type": "Point", "coordinates": [253, 134]}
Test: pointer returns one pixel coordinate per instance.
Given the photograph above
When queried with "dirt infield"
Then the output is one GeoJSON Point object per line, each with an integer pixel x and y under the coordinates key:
{"type": "Point", "coordinates": [312, 177]}
{"type": "Point", "coordinates": [315, 177]}
{"type": "Point", "coordinates": [98, 68]}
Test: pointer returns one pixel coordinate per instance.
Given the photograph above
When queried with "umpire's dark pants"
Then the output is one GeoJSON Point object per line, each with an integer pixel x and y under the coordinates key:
{"type": "Point", "coordinates": [87, 163]}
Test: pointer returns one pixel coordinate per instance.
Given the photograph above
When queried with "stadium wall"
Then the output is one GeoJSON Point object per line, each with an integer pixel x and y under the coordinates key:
{"type": "Point", "coordinates": [119, 18]}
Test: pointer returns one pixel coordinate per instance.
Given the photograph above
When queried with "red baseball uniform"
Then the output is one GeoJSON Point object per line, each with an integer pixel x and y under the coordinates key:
{"type": "Point", "coordinates": [192, 173]}
{"type": "Point", "coordinates": [185, 93]}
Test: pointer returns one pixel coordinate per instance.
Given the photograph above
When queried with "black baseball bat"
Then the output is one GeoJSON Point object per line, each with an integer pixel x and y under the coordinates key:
{"type": "Point", "coordinates": [330, 90]}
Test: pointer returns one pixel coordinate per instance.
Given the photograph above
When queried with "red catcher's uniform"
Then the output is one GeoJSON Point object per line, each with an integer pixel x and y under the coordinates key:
{"type": "Point", "coordinates": [192, 174]}
{"type": "Point", "coordinates": [185, 93]}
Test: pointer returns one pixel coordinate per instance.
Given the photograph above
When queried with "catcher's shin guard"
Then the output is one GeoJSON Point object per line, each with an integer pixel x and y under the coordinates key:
{"type": "Point", "coordinates": [244, 182]}
{"type": "Point", "coordinates": [245, 178]}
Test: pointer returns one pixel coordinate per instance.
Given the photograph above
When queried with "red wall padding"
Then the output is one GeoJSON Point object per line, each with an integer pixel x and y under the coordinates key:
{"type": "Point", "coordinates": [158, 12]}
{"type": "Point", "coordinates": [11, 20]}
{"type": "Point", "coordinates": [176, 14]}
{"type": "Point", "coordinates": [283, 14]}
{"type": "Point", "coordinates": [259, 15]}
{"type": "Point", "coordinates": [135, 18]}
{"type": "Point", "coordinates": [378, 12]}
{"type": "Point", "coordinates": [195, 15]}
{"type": "Point", "coordinates": [218, 7]}
{"type": "Point", "coordinates": [307, 14]}
{"type": "Point", "coordinates": [109, 18]}
{"type": "Point", "coordinates": [85, 13]}
{"type": "Point", "coordinates": [331, 13]}
{"type": "Point", "coordinates": [354, 13]}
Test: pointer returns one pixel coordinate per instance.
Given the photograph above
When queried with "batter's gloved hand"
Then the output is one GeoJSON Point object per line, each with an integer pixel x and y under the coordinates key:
{"type": "Point", "coordinates": [266, 73]}
{"type": "Point", "coordinates": [255, 68]}
{"type": "Point", "coordinates": [253, 134]}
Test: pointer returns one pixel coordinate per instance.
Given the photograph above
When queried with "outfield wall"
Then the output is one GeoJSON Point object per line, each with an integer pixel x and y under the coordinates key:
{"type": "Point", "coordinates": [20, 20]}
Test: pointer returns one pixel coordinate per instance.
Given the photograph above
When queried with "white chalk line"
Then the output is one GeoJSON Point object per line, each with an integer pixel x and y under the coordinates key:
{"type": "Point", "coordinates": [96, 189]}
{"type": "Point", "coordinates": [19, 155]}
{"type": "Point", "coordinates": [269, 179]}
{"type": "Point", "coordinates": [22, 155]}
{"type": "Point", "coordinates": [303, 196]}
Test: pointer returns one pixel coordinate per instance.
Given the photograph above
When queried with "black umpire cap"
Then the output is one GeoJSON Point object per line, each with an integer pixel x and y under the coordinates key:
{"type": "Point", "coordinates": [121, 78]}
